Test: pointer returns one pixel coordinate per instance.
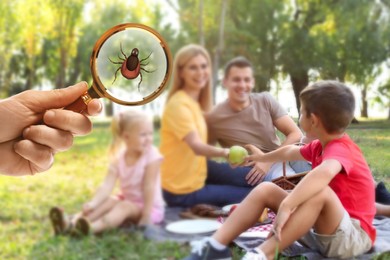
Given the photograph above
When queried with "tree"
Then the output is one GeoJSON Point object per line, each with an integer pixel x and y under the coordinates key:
{"type": "Point", "coordinates": [25, 63]}
{"type": "Point", "coordinates": [9, 37]}
{"type": "Point", "coordinates": [68, 16]}
{"type": "Point", "coordinates": [354, 47]}
{"type": "Point", "coordinates": [383, 96]}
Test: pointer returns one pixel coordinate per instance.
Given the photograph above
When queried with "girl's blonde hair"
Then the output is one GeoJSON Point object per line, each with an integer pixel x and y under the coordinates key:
{"type": "Point", "coordinates": [182, 57]}
{"type": "Point", "coordinates": [124, 121]}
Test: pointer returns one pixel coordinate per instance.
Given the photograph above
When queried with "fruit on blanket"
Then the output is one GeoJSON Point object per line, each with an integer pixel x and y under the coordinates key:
{"type": "Point", "coordinates": [263, 217]}
{"type": "Point", "coordinates": [237, 154]}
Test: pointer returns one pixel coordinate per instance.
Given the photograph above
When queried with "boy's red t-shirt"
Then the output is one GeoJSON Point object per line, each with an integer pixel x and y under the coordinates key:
{"type": "Point", "coordinates": [354, 185]}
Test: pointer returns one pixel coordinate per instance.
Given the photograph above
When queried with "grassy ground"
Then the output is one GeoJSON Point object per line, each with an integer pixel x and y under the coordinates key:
{"type": "Point", "coordinates": [25, 231]}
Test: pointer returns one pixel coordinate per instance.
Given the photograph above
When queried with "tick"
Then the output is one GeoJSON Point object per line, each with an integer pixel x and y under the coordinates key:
{"type": "Point", "coordinates": [131, 67]}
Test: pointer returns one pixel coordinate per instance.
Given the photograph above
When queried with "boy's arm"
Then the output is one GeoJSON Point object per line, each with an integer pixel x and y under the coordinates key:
{"type": "Point", "coordinates": [285, 153]}
{"type": "Point", "coordinates": [148, 191]}
{"type": "Point", "coordinates": [313, 183]}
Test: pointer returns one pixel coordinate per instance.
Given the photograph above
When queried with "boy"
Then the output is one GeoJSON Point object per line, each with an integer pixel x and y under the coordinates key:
{"type": "Point", "coordinates": [334, 205]}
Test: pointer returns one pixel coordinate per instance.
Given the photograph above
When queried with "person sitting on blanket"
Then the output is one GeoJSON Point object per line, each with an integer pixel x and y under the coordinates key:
{"type": "Point", "coordinates": [333, 205]}
{"type": "Point", "coordinates": [251, 118]}
{"type": "Point", "coordinates": [135, 162]}
{"type": "Point", "coordinates": [262, 116]}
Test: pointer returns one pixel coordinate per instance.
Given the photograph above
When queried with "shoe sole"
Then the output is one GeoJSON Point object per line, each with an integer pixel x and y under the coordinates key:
{"type": "Point", "coordinates": [57, 220]}
{"type": "Point", "coordinates": [82, 227]}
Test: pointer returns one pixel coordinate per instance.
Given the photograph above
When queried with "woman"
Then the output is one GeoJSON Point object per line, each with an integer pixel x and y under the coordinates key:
{"type": "Point", "coordinates": [184, 138]}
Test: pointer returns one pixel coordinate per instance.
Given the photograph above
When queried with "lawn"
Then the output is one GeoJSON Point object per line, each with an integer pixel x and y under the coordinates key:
{"type": "Point", "coordinates": [25, 231]}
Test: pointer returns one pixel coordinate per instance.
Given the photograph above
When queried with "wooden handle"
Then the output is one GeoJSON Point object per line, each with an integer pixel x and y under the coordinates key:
{"type": "Point", "coordinates": [80, 105]}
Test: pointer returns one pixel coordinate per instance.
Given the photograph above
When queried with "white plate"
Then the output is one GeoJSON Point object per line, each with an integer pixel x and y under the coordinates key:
{"type": "Point", "coordinates": [228, 207]}
{"type": "Point", "coordinates": [262, 234]}
{"type": "Point", "coordinates": [193, 226]}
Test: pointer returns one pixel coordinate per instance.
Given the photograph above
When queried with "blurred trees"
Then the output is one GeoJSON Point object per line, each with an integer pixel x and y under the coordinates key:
{"type": "Point", "coordinates": [49, 42]}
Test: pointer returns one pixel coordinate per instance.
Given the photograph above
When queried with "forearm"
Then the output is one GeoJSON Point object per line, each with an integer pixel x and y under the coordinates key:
{"type": "Point", "coordinates": [306, 189]}
{"type": "Point", "coordinates": [199, 147]}
{"type": "Point", "coordinates": [148, 194]}
{"type": "Point", "coordinates": [285, 153]}
{"type": "Point", "coordinates": [102, 193]}
{"type": "Point", "coordinates": [210, 151]}
{"type": "Point", "coordinates": [313, 183]}
{"type": "Point", "coordinates": [292, 138]}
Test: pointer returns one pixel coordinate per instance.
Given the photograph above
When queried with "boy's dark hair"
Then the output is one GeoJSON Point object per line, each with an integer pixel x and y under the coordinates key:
{"type": "Point", "coordinates": [239, 61]}
{"type": "Point", "coordinates": [332, 101]}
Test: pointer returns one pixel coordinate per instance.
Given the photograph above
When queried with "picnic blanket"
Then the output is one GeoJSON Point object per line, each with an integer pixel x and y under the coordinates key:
{"type": "Point", "coordinates": [158, 233]}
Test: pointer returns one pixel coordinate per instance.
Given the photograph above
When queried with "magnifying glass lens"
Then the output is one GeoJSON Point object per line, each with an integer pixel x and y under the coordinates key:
{"type": "Point", "coordinates": [130, 65]}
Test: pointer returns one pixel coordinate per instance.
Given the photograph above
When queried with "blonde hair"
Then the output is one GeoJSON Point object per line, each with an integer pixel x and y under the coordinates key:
{"type": "Point", "coordinates": [181, 58]}
{"type": "Point", "coordinates": [122, 122]}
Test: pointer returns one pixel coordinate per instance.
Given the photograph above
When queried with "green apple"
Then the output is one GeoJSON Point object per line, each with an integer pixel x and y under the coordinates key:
{"type": "Point", "coordinates": [237, 154]}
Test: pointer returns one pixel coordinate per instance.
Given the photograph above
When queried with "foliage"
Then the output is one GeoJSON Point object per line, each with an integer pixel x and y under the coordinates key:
{"type": "Point", "coordinates": [49, 42]}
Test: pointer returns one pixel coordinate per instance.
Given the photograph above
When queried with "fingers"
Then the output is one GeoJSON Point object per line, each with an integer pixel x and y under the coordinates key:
{"type": "Point", "coordinates": [57, 140]}
{"type": "Point", "coordinates": [254, 176]}
{"type": "Point", "coordinates": [66, 120]}
{"type": "Point", "coordinates": [56, 98]}
{"type": "Point", "coordinates": [251, 148]}
{"type": "Point", "coordinates": [94, 107]}
{"type": "Point", "coordinates": [41, 157]}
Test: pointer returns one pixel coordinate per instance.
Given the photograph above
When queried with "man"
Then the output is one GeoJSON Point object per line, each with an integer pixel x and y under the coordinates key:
{"type": "Point", "coordinates": [252, 118]}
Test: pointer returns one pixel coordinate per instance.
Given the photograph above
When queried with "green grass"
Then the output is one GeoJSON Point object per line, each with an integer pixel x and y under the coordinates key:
{"type": "Point", "coordinates": [25, 231]}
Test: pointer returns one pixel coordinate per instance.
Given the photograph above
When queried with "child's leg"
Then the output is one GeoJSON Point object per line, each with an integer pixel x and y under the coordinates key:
{"type": "Point", "coordinates": [114, 218]}
{"type": "Point", "coordinates": [249, 211]}
{"type": "Point", "coordinates": [324, 212]}
{"type": "Point", "coordinates": [99, 211]}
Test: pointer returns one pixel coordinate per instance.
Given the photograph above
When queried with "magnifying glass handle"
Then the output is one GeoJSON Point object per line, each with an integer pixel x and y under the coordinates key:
{"type": "Point", "coordinates": [80, 105]}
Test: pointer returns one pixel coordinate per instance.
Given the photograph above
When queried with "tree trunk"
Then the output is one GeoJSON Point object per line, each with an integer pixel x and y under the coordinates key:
{"type": "Point", "coordinates": [218, 51]}
{"type": "Point", "coordinates": [200, 23]}
{"type": "Point", "coordinates": [364, 108]}
{"type": "Point", "coordinates": [299, 81]}
{"type": "Point", "coordinates": [73, 77]}
{"type": "Point", "coordinates": [109, 108]}
{"type": "Point", "coordinates": [61, 75]}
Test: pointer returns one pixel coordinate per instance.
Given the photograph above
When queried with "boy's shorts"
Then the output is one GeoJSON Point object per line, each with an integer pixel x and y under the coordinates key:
{"type": "Point", "coordinates": [348, 241]}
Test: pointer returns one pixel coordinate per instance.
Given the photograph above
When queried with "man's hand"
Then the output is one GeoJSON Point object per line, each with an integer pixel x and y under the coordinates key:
{"type": "Point", "coordinates": [34, 127]}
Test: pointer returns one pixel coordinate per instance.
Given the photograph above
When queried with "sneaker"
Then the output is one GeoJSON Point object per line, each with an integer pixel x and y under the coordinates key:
{"type": "Point", "coordinates": [81, 227]}
{"type": "Point", "coordinates": [202, 250]}
{"type": "Point", "coordinates": [254, 255]}
{"type": "Point", "coordinates": [58, 221]}
{"type": "Point", "coordinates": [382, 195]}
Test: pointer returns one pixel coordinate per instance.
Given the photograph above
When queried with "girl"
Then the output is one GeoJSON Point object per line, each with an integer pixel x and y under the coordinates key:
{"type": "Point", "coordinates": [135, 162]}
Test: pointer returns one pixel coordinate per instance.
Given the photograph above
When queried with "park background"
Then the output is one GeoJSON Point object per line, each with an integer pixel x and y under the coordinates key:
{"type": "Point", "coordinates": [46, 44]}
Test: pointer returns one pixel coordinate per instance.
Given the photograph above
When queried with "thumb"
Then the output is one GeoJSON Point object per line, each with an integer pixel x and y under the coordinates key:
{"type": "Point", "coordinates": [249, 147]}
{"type": "Point", "coordinates": [57, 98]}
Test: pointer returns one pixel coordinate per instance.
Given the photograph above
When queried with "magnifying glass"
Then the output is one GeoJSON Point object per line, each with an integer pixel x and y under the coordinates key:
{"type": "Point", "coordinates": [130, 65]}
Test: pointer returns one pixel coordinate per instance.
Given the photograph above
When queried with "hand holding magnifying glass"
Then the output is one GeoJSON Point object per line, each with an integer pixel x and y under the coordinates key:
{"type": "Point", "coordinates": [130, 65]}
